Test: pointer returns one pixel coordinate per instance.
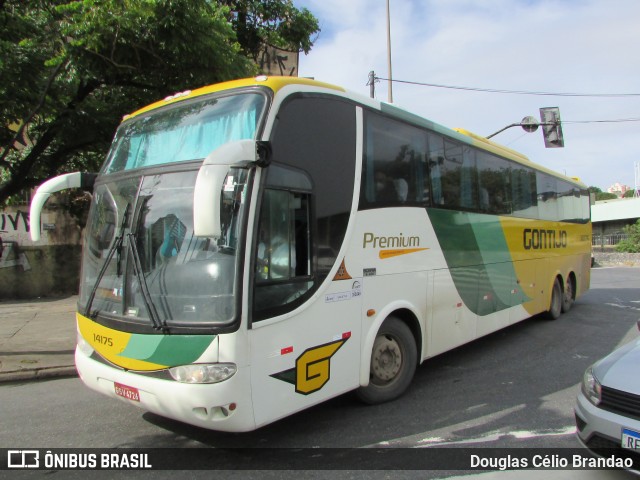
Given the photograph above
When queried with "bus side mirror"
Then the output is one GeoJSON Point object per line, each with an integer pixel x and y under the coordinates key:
{"type": "Point", "coordinates": [207, 195]}
{"type": "Point", "coordinates": [56, 184]}
{"type": "Point", "coordinates": [207, 192]}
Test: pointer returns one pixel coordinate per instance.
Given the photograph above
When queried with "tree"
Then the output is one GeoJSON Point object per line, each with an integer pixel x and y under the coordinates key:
{"type": "Point", "coordinates": [69, 70]}
{"type": "Point", "coordinates": [629, 194]}
{"type": "Point", "coordinates": [632, 243]}
{"type": "Point", "coordinates": [600, 195]}
{"type": "Point", "coordinates": [605, 196]}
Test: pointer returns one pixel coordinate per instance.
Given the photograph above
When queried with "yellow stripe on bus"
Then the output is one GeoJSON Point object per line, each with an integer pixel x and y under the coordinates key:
{"type": "Point", "coordinates": [110, 344]}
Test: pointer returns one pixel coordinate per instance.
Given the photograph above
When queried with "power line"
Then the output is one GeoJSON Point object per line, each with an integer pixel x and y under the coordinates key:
{"type": "Point", "coordinates": [620, 120]}
{"type": "Point", "coordinates": [513, 92]}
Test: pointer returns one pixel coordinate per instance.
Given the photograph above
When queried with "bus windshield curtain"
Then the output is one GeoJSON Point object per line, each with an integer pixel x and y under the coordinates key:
{"type": "Point", "coordinates": [191, 141]}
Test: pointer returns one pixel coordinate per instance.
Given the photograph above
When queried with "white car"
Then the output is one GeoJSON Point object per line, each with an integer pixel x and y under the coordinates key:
{"type": "Point", "coordinates": [608, 407]}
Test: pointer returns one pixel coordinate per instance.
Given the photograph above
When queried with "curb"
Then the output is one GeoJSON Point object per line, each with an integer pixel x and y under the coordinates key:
{"type": "Point", "coordinates": [38, 374]}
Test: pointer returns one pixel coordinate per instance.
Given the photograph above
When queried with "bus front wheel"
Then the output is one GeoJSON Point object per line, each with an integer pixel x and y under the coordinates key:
{"type": "Point", "coordinates": [393, 363]}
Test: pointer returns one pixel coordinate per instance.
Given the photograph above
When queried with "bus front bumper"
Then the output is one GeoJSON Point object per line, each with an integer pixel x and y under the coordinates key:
{"type": "Point", "coordinates": [224, 406]}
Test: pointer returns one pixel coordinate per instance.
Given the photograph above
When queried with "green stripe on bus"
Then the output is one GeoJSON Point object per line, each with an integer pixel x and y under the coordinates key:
{"type": "Point", "coordinates": [167, 350]}
{"type": "Point", "coordinates": [477, 254]}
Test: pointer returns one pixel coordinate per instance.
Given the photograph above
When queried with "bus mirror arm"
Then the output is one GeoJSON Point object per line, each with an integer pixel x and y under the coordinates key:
{"type": "Point", "coordinates": [263, 153]}
{"type": "Point", "coordinates": [207, 195]}
{"type": "Point", "coordinates": [56, 184]}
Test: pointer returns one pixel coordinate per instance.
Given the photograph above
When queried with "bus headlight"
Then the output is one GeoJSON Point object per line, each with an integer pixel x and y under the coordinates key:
{"type": "Point", "coordinates": [203, 373]}
{"type": "Point", "coordinates": [591, 387]}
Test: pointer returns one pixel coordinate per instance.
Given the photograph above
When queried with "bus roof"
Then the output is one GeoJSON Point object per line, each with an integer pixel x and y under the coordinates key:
{"type": "Point", "coordinates": [276, 83]}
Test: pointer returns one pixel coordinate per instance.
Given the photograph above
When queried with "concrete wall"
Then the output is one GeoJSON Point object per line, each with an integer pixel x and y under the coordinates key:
{"type": "Point", "coordinates": [616, 259]}
{"type": "Point", "coordinates": [49, 267]}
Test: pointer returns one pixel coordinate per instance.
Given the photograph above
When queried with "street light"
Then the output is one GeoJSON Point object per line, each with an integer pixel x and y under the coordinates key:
{"type": "Point", "coordinates": [551, 127]}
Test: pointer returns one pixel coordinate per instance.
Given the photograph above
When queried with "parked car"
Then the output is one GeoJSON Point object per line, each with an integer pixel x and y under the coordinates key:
{"type": "Point", "coordinates": [607, 411]}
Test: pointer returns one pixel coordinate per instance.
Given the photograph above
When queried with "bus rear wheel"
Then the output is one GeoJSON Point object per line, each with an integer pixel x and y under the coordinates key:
{"type": "Point", "coordinates": [569, 295]}
{"type": "Point", "coordinates": [555, 309]}
{"type": "Point", "coordinates": [393, 363]}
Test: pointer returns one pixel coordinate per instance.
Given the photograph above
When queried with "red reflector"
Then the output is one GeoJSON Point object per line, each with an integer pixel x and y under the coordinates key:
{"type": "Point", "coordinates": [286, 350]}
{"type": "Point", "coordinates": [346, 335]}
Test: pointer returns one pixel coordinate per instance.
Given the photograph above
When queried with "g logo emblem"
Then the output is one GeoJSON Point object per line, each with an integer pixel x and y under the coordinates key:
{"type": "Point", "coordinates": [313, 368]}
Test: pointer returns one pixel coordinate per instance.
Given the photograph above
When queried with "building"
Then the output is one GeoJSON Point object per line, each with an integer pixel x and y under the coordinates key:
{"type": "Point", "coordinates": [609, 217]}
{"type": "Point", "coordinates": [618, 189]}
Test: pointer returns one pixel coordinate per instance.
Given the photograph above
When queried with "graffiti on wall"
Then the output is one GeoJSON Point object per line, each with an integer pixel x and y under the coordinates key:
{"type": "Point", "coordinates": [18, 221]}
{"type": "Point", "coordinates": [10, 254]}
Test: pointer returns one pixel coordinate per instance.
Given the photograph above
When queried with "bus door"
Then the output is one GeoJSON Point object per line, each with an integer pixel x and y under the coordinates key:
{"type": "Point", "coordinates": [304, 340]}
{"type": "Point", "coordinates": [305, 304]}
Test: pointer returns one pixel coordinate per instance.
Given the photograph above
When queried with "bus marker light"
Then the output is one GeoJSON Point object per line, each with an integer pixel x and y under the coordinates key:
{"type": "Point", "coordinates": [371, 312]}
{"type": "Point", "coordinates": [346, 335]}
{"type": "Point", "coordinates": [84, 346]}
{"type": "Point", "coordinates": [286, 350]}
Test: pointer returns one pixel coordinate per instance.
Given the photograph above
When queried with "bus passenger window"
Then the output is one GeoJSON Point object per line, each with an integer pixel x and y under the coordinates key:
{"type": "Point", "coordinates": [393, 172]}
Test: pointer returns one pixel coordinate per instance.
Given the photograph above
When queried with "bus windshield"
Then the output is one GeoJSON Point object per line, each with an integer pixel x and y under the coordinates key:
{"type": "Point", "coordinates": [185, 132]}
{"type": "Point", "coordinates": [142, 262]}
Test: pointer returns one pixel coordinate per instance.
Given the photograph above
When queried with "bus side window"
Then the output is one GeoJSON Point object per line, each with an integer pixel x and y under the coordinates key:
{"type": "Point", "coordinates": [393, 171]}
{"type": "Point", "coordinates": [451, 178]}
{"type": "Point", "coordinates": [494, 177]}
{"type": "Point", "coordinates": [283, 252]}
{"type": "Point", "coordinates": [547, 196]}
{"type": "Point", "coordinates": [435, 159]}
{"type": "Point", "coordinates": [523, 189]}
{"type": "Point", "coordinates": [283, 237]}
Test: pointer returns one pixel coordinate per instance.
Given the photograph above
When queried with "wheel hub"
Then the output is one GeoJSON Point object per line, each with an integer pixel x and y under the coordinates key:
{"type": "Point", "coordinates": [386, 361]}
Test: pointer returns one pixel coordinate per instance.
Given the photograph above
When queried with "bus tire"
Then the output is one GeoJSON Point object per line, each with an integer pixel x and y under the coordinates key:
{"type": "Point", "coordinates": [394, 358]}
{"type": "Point", "coordinates": [555, 308]}
{"type": "Point", "coordinates": [569, 295]}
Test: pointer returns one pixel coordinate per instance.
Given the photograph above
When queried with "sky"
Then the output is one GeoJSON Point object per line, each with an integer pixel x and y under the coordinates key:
{"type": "Point", "coordinates": [555, 46]}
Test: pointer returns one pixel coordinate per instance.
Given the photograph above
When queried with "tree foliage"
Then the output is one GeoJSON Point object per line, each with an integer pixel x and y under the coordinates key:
{"type": "Point", "coordinates": [632, 243]}
{"type": "Point", "coordinates": [600, 195]}
{"type": "Point", "coordinates": [69, 70]}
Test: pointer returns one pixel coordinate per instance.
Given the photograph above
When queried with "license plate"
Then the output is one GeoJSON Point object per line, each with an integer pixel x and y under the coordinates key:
{"type": "Point", "coordinates": [630, 439]}
{"type": "Point", "coordinates": [127, 392]}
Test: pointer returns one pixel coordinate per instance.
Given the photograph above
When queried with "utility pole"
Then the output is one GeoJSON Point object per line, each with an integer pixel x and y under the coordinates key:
{"type": "Point", "coordinates": [389, 53]}
{"type": "Point", "coordinates": [372, 84]}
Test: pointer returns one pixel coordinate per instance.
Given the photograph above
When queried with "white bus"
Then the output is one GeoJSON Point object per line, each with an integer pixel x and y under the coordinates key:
{"type": "Point", "coordinates": [259, 246]}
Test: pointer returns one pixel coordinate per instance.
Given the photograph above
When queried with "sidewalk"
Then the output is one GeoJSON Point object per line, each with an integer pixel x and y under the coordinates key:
{"type": "Point", "coordinates": [37, 338]}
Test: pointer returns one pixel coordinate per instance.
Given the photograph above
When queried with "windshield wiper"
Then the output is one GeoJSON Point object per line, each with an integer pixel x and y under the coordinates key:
{"type": "Point", "coordinates": [116, 246]}
{"type": "Point", "coordinates": [146, 295]}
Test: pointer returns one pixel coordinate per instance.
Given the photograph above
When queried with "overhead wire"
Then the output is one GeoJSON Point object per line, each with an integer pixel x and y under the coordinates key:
{"type": "Point", "coordinates": [512, 92]}
{"type": "Point", "coordinates": [527, 92]}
